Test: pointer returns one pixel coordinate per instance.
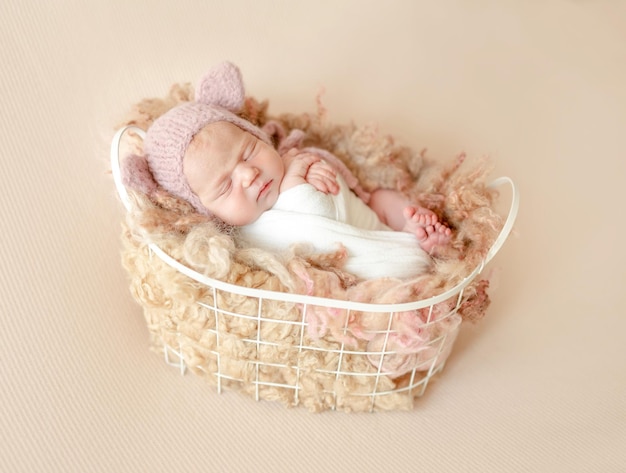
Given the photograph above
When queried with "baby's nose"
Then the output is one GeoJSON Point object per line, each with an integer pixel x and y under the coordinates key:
{"type": "Point", "coordinates": [247, 174]}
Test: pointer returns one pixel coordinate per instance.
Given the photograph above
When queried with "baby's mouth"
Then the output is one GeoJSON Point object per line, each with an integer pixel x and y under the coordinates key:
{"type": "Point", "coordinates": [264, 188]}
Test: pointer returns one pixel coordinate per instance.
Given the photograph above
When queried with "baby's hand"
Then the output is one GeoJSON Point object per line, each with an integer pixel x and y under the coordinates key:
{"type": "Point", "coordinates": [323, 177]}
{"type": "Point", "coordinates": [308, 168]}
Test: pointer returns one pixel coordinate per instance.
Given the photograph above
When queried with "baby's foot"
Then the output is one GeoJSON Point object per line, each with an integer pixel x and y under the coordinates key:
{"type": "Point", "coordinates": [431, 234]}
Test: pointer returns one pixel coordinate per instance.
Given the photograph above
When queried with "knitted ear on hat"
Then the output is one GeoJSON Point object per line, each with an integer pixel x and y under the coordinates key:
{"type": "Point", "coordinates": [222, 86]}
{"type": "Point", "coordinates": [136, 174]}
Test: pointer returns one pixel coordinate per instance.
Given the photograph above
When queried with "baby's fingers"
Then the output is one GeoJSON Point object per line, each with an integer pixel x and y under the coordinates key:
{"type": "Point", "coordinates": [295, 154]}
{"type": "Point", "coordinates": [323, 180]}
{"type": "Point", "coordinates": [323, 170]}
{"type": "Point", "coordinates": [322, 185]}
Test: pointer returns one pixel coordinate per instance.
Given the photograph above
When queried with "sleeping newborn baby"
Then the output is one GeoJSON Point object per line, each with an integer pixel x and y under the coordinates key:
{"type": "Point", "coordinates": [227, 168]}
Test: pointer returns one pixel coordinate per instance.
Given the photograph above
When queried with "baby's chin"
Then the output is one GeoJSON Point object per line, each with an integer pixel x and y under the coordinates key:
{"type": "Point", "coordinates": [241, 220]}
{"type": "Point", "coordinates": [249, 215]}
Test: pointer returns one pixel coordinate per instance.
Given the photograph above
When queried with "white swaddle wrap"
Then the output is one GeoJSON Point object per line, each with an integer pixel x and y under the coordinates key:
{"type": "Point", "coordinates": [304, 215]}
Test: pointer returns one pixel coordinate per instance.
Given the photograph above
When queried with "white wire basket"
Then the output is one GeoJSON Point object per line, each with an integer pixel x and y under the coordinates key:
{"type": "Point", "coordinates": [276, 359]}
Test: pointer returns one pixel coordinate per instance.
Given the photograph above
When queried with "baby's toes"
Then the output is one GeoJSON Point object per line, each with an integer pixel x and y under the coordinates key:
{"type": "Point", "coordinates": [421, 234]}
{"type": "Point", "coordinates": [409, 212]}
{"type": "Point", "coordinates": [440, 228]}
{"type": "Point", "coordinates": [425, 220]}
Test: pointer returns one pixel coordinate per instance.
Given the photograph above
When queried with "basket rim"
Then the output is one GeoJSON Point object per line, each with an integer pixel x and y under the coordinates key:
{"type": "Point", "coordinates": [315, 300]}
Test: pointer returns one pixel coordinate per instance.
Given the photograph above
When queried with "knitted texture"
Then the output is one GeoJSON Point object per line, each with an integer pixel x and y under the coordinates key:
{"type": "Point", "coordinates": [219, 96]}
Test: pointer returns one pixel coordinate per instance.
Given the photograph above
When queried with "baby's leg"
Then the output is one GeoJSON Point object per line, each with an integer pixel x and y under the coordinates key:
{"type": "Point", "coordinates": [429, 231]}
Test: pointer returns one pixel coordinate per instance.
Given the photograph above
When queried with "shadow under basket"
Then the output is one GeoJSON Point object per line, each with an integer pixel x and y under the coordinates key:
{"type": "Point", "coordinates": [259, 342]}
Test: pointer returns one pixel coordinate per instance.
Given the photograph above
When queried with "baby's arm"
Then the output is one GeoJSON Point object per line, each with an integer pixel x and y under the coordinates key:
{"type": "Point", "coordinates": [303, 167]}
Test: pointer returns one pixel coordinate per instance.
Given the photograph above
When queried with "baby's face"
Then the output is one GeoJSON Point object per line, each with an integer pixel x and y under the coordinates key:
{"type": "Point", "coordinates": [235, 175]}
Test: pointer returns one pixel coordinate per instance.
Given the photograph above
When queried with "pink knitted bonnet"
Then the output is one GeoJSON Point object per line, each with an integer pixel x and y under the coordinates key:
{"type": "Point", "coordinates": [218, 97]}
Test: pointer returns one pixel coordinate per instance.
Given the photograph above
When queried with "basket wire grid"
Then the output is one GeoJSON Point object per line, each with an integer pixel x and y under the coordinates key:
{"type": "Point", "coordinates": [372, 372]}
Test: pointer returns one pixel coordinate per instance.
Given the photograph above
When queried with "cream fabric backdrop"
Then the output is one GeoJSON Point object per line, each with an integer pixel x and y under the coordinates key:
{"type": "Point", "coordinates": [539, 86]}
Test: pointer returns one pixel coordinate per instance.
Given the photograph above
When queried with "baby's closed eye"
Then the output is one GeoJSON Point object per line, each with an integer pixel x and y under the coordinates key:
{"type": "Point", "coordinates": [225, 187]}
{"type": "Point", "coordinates": [250, 151]}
